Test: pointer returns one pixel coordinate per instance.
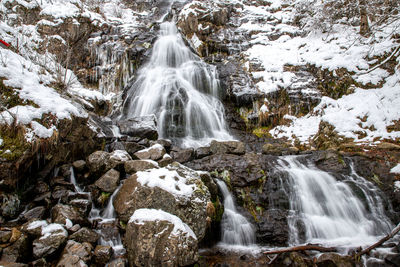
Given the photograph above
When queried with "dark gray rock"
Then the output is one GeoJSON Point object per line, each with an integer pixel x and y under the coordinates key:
{"type": "Point", "coordinates": [75, 254]}
{"type": "Point", "coordinates": [109, 181]}
{"type": "Point", "coordinates": [132, 147]}
{"type": "Point", "coordinates": [182, 155]}
{"type": "Point", "coordinates": [53, 237]}
{"type": "Point", "coordinates": [35, 213]}
{"type": "Point", "coordinates": [144, 127]}
{"type": "Point", "coordinates": [85, 235]}
{"type": "Point", "coordinates": [227, 147]}
{"type": "Point", "coordinates": [79, 166]}
{"type": "Point", "coordinates": [133, 166]}
{"type": "Point", "coordinates": [202, 152]}
{"type": "Point", "coordinates": [60, 213]}
{"type": "Point", "coordinates": [17, 251]}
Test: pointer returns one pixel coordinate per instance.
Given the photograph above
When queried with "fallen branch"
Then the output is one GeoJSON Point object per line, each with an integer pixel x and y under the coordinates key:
{"type": "Point", "coordinates": [380, 242]}
{"type": "Point", "coordinates": [302, 248]}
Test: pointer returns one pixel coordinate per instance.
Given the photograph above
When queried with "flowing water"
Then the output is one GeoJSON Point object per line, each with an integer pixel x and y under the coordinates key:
{"type": "Point", "coordinates": [236, 230]}
{"type": "Point", "coordinates": [181, 90]}
{"type": "Point", "coordinates": [327, 211]}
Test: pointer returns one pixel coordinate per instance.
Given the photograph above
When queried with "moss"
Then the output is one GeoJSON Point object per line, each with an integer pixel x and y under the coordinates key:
{"type": "Point", "coordinates": [219, 211]}
{"type": "Point", "coordinates": [9, 97]}
{"type": "Point", "coordinates": [262, 131]}
{"type": "Point", "coordinates": [14, 143]}
{"type": "Point", "coordinates": [376, 179]}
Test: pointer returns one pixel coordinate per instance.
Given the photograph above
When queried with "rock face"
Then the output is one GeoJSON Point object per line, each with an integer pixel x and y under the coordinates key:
{"type": "Point", "coordinates": [156, 238]}
{"type": "Point", "coordinates": [143, 127]}
{"type": "Point", "coordinates": [174, 189]}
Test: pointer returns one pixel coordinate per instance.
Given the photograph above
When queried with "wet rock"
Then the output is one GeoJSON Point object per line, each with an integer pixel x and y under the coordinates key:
{"type": "Point", "coordinates": [79, 166]}
{"type": "Point", "coordinates": [333, 259]}
{"type": "Point", "coordinates": [53, 237]}
{"type": "Point", "coordinates": [209, 182]}
{"type": "Point", "coordinates": [202, 152]}
{"type": "Point", "coordinates": [82, 205]}
{"type": "Point", "coordinates": [109, 181]}
{"type": "Point", "coordinates": [102, 254]}
{"type": "Point", "coordinates": [39, 263]}
{"type": "Point", "coordinates": [34, 228]}
{"type": "Point", "coordinates": [167, 144]}
{"type": "Point", "coordinates": [17, 251]}
{"type": "Point", "coordinates": [272, 228]}
{"type": "Point", "coordinates": [75, 254]}
{"type": "Point", "coordinates": [182, 155]}
{"type": "Point", "coordinates": [60, 213]}
{"type": "Point", "coordinates": [154, 152]}
{"type": "Point", "coordinates": [60, 193]}
{"type": "Point", "coordinates": [227, 147]}
{"type": "Point", "coordinates": [156, 238]}
{"type": "Point", "coordinates": [279, 149]}
{"type": "Point", "coordinates": [393, 259]}
{"type": "Point", "coordinates": [97, 162]}
{"type": "Point", "coordinates": [41, 187]}
{"type": "Point", "coordinates": [118, 263]}
{"type": "Point", "coordinates": [133, 166]}
{"type": "Point", "coordinates": [85, 235]}
{"type": "Point", "coordinates": [174, 189]}
{"type": "Point", "coordinates": [331, 161]}
{"type": "Point", "coordinates": [143, 127]}
{"type": "Point", "coordinates": [35, 213]}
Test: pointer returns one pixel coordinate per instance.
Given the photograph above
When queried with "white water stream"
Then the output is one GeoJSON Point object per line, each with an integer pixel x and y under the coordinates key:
{"type": "Point", "coordinates": [329, 210]}
{"type": "Point", "coordinates": [236, 230]}
{"type": "Point", "coordinates": [181, 90]}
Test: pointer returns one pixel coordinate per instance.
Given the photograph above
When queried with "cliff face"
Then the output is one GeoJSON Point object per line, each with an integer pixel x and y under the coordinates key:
{"type": "Point", "coordinates": [311, 77]}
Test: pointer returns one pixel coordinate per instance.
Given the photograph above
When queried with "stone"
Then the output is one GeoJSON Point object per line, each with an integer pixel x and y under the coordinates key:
{"type": "Point", "coordinates": [60, 213]}
{"type": "Point", "coordinates": [209, 182]}
{"type": "Point", "coordinates": [118, 263]}
{"type": "Point", "coordinates": [165, 161]}
{"type": "Point", "coordinates": [174, 189]}
{"type": "Point", "coordinates": [161, 239]}
{"type": "Point", "coordinates": [34, 228]}
{"type": "Point", "coordinates": [102, 254]}
{"type": "Point", "coordinates": [17, 251]}
{"type": "Point", "coordinates": [79, 166]}
{"type": "Point", "coordinates": [5, 236]}
{"type": "Point", "coordinates": [35, 213]}
{"type": "Point", "coordinates": [10, 206]}
{"type": "Point", "coordinates": [164, 142]}
{"type": "Point", "coordinates": [97, 162]}
{"type": "Point", "coordinates": [273, 228]}
{"type": "Point", "coordinates": [333, 259]}
{"type": "Point", "coordinates": [132, 147]}
{"type": "Point", "coordinates": [182, 155]}
{"type": "Point", "coordinates": [109, 181]}
{"type": "Point", "coordinates": [202, 152]}
{"type": "Point", "coordinates": [15, 235]}
{"type": "Point", "coordinates": [41, 187]}
{"type": "Point", "coordinates": [82, 205]}
{"type": "Point", "coordinates": [133, 166]}
{"type": "Point", "coordinates": [143, 127]}
{"type": "Point", "coordinates": [75, 254]}
{"type": "Point", "coordinates": [154, 152]}
{"type": "Point", "coordinates": [53, 237]}
{"type": "Point", "coordinates": [227, 147]}
{"type": "Point", "coordinates": [85, 235]}
{"type": "Point", "coordinates": [60, 193]}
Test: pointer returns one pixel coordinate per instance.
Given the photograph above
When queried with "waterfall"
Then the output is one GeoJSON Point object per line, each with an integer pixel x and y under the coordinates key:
{"type": "Point", "coordinates": [73, 181]}
{"type": "Point", "coordinates": [236, 230]}
{"type": "Point", "coordinates": [331, 212]}
{"type": "Point", "coordinates": [181, 90]}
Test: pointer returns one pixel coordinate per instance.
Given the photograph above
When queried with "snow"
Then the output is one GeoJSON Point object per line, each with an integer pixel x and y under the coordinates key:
{"type": "Point", "coordinates": [153, 147]}
{"type": "Point", "coordinates": [53, 229]}
{"type": "Point", "coordinates": [36, 224]}
{"type": "Point", "coordinates": [141, 216]}
{"type": "Point", "coordinates": [397, 186]}
{"type": "Point", "coordinates": [1, 142]}
{"type": "Point", "coordinates": [168, 180]}
{"type": "Point", "coordinates": [396, 169]}
{"type": "Point", "coordinates": [42, 131]}
{"type": "Point", "coordinates": [60, 10]}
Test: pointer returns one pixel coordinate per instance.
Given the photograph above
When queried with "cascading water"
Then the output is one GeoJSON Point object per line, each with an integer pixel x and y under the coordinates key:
{"type": "Point", "coordinates": [236, 230]}
{"type": "Point", "coordinates": [328, 211]}
{"type": "Point", "coordinates": [181, 90]}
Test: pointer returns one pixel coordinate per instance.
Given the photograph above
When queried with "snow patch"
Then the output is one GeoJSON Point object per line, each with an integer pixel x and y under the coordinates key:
{"type": "Point", "coordinates": [148, 215]}
{"type": "Point", "coordinates": [396, 169]}
{"type": "Point", "coordinates": [53, 229]}
{"type": "Point", "coordinates": [120, 155]}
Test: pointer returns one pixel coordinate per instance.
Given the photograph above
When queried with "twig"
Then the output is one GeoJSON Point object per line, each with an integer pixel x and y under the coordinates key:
{"type": "Point", "coordinates": [302, 248]}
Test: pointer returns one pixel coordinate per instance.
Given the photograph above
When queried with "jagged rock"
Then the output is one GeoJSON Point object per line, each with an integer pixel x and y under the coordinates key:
{"type": "Point", "coordinates": [227, 147]}
{"type": "Point", "coordinates": [109, 181]}
{"type": "Point", "coordinates": [17, 251]}
{"type": "Point", "coordinates": [133, 166]}
{"type": "Point", "coordinates": [102, 254]}
{"type": "Point", "coordinates": [39, 263]}
{"type": "Point", "coordinates": [202, 152]}
{"type": "Point", "coordinates": [174, 189]}
{"type": "Point", "coordinates": [182, 155]}
{"type": "Point", "coordinates": [143, 127]}
{"type": "Point", "coordinates": [209, 182]}
{"type": "Point", "coordinates": [75, 254]}
{"type": "Point", "coordinates": [10, 206]}
{"type": "Point", "coordinates": [34, 228]}
{"type": "Point", "coordinates": [82, 205]}
{"type": "Point", "coordinates": [53, 236]}
{"type": "Point", "coordinates": [157, 238]}
{"type": "Point", "coordinates": [85, 235]}
{"type": "Point", "coordinates": [60, 213]}
{"type": "Point", "coordinates": [154, 152]}
{"type": "Point", "coordinates": [164, 142]}
{"type": "Point", "coordinates": [331, 161]}
{"type": "Point", "coordinates": [60, 193]}
{"type": "Point", "coordinates": [79, 165]}
{"type": "Point", "coordinates": [97, 162]}
{"type": "Point", "coordinates": [35, 213]}
{"type": "Point", "coordinates": [41, 187]}
{"type": "Point", "coordinates": [279, 149]}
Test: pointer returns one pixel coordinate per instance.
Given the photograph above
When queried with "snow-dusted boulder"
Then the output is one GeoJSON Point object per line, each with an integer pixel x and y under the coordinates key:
{"type": "Point", "coordinates": [52, 237]}
{"type": "Point", "coordinates": [143, 127]}
{"type": "Point", "coordinates": [154, 152]}
{"type": "Point", "coordinates": [100, 162]}
{"type": "Point", "coordinates": [175, 189]}
{"type": "Point", "coordinates": [133, 166]}
{"type": "Point", "coordinates": [157, 238]}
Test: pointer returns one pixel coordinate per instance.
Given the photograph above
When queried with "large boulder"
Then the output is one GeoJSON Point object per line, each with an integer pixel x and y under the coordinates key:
{"type": "Point", "coordinates": [143, 127]}
{"type": "Point", "coordinates": [85, 235]}
{"type": "Point", "coordinates": [17, 251]}
{"type": "Point", "coordinates": [62, 213]}
{"type": "Point", "coordinates": [157, 238]}
{"type": "Point", "coordinates": [133, 166]}
{"type": "Point", "coordinates": [53, 237]}
{"type": "Point", "coordinates": [175, 189]}
{"type": "Point", "coordinates": [109, 181]}
{"type": "Point", "coordinates": [154, 152]}
{"type": "Point", "coordinates": [100, 161]}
